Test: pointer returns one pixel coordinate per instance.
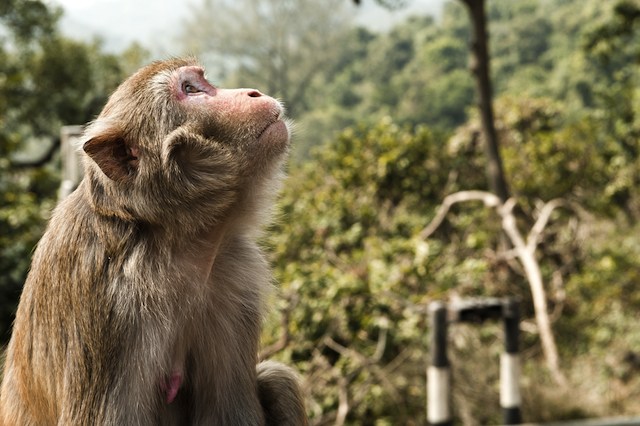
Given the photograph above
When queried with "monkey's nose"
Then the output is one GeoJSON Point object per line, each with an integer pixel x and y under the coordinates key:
{"type": "Point", "coordinates": [254, 94]}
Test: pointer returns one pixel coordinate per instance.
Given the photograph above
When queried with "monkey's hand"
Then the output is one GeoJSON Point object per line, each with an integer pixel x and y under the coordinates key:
{"type": "Point", "coordinates": [280, 395]}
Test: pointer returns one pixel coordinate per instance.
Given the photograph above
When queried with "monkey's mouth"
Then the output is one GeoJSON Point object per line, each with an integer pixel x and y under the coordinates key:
{"type": "Point", "coordinates": [275, 132]}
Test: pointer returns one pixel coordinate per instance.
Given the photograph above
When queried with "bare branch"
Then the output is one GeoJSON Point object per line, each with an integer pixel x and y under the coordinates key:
{"type": "Point", "coordinates": [536, 231]}
{"type": "Point", "coordinates": [534, 276]}
{"type": "Point", "coordinates": [489, 199]}
{"type": "Point", "coordinates": [525, 252]}
{"type": "Point", "coordinates": [39, 162]}
{"type": "Point", "coordinates": [343, 406]}
{"type": "Point", "coordinates": [364, 363]}
{"type": "Point", "coordinates": [382, 341]}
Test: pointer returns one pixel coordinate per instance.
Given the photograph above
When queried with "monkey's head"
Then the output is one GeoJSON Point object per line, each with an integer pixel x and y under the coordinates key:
{"type": "Point", "coordinates": [170, 147]}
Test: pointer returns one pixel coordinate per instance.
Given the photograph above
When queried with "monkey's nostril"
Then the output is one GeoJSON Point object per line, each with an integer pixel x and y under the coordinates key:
{"type": "Point", "coordinates": [254, 94]}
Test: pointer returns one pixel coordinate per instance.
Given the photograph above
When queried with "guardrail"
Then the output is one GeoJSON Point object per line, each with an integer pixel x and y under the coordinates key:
{"type": "Point", "coordinates": [438, 373]}
{"type": "Point", "coordinates": [608, 421]}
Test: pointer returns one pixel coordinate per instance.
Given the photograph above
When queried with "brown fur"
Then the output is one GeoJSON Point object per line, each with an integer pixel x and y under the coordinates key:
{"type": "Point", "coordinates": [150, 268]}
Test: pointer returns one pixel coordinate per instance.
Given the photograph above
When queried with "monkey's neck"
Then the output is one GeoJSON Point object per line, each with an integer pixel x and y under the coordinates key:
{"type": "Point", "coordinates": [208, 247]}
{"type": "Point", "coordinates": [199, 247]}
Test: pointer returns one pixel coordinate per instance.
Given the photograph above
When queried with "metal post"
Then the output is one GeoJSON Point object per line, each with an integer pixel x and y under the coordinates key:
{"type": "Point", "coordinates": [71, 164]}
{"type": "Point", "coordinates": [510, 399]}
{"type": "Point", "coordinates": [438, 372]}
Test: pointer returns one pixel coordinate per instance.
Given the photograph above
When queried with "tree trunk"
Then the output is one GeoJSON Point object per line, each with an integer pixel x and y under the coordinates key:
{"type": "Point", "coordinates": [480, 70]}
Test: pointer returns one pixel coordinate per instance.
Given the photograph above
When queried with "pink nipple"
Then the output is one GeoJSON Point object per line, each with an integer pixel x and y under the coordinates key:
{"type": "Point", "coordinates": [171, 386]}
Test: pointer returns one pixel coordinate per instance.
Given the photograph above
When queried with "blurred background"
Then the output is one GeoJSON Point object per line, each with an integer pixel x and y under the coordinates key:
{"type": "Point", "coordinates": [387, 127]}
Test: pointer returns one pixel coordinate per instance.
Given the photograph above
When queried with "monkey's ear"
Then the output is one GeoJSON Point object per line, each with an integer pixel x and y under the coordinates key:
{"type": "Point", "coordinates": [117, 158]}
{"type": "Point", "coordinates": [198, 159]}
{"type": "Point", "coordinates": [187, 148]}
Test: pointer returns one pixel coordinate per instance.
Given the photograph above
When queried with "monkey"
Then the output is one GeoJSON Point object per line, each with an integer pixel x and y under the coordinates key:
{"type": "Point", "coordinates": [147, 291]}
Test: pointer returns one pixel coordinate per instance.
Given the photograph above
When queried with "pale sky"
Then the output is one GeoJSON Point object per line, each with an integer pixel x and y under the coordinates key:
{"type": "Point", "coordinates": [155, 23]}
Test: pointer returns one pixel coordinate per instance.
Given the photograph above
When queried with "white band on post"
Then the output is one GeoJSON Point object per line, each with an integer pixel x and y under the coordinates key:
{"type": "Point", "coordinates": [438, 391]}
{"type": "Point", "coordinates": [510, 381]}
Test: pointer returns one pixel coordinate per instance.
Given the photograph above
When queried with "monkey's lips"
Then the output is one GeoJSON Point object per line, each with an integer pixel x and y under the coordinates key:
{"type": "Point", "coordinates": [275, 133]}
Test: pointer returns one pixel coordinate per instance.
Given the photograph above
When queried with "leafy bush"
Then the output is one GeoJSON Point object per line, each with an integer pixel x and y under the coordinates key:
{"type": "Point", "coordinates": [356, 278]}
{"type": "Point", "coordinates": [354, 274]}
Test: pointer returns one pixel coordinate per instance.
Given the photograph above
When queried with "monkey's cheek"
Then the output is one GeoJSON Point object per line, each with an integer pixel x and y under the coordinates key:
{"type": "Point", "coordinates": [276, 136]}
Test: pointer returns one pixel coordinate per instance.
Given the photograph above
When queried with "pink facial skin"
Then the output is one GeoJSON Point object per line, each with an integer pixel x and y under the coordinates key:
{"type": "Point", "coordinates": [260, 114]}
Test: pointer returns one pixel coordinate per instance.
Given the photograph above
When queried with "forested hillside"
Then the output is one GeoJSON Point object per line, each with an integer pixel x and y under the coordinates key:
{"type": "Point", "coordinates": [354, 270]}
{"type": "Point", "coordinates": [387, 128]}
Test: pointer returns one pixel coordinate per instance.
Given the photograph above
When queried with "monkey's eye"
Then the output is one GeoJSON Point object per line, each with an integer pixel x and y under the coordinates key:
{"type": "Point", "coordinates": [189, 88]}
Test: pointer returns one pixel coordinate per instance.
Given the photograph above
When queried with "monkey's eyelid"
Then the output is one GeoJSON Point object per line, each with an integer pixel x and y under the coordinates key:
{"type": "Point", "coordinates": [189, 88]}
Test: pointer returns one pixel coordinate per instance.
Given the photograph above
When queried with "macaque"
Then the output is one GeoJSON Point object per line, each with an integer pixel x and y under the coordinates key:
{"type": "Point", "coordinates": [146, 294]}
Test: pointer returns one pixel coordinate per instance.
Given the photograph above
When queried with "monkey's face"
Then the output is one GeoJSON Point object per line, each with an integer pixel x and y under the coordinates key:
{"type": "Point", "coordinates": [169, 138]}
{"type": "Point", "coordinates": [239, 116]}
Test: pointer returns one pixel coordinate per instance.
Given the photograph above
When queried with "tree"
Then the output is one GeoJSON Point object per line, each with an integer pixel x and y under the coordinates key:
{"type": "Point", "coordinates": [352, 276]}
{"type": "Point", "coordinates": [278, 46]}
{"type": "Point", "coordinates": [525, 251]}
{"type": "Point", "coordinates": [610, 48]}
{"type": "Point", "coordinates": [26, 20]}
{"type": "Point", "coordinates": [46, 81]}
{"type": "Point", "coordinates": [342, 252]}
{"type": "Point", "coordinates": [480, 70]}
{"type": "Point", "coordinates": [22, 24]}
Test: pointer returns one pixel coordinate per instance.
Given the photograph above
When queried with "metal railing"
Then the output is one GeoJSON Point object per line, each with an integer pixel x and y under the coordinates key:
{"type": "Point", "coordinates": [439, 372]}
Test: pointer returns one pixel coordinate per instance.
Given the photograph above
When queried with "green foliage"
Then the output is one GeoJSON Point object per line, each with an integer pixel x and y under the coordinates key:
{"type": "Point", "coordinates": [417, 73]}
{"type": "Point", "coordinates": [23, 195]}
{"type": "Point", "coordinates": [46, 81]}
{"type": "Point", "coordinates": [355, 277]}
{"type": "Point", "coordinates": [28, 19]}
{"type": "Point", "coordinates": [275, 46]}
{"type": "Point", "coordinates": [546, 157]}
{"type": "Point", "coordinates": [347, 255]}
{"type": "Point", "coordinates": [611, 49]}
